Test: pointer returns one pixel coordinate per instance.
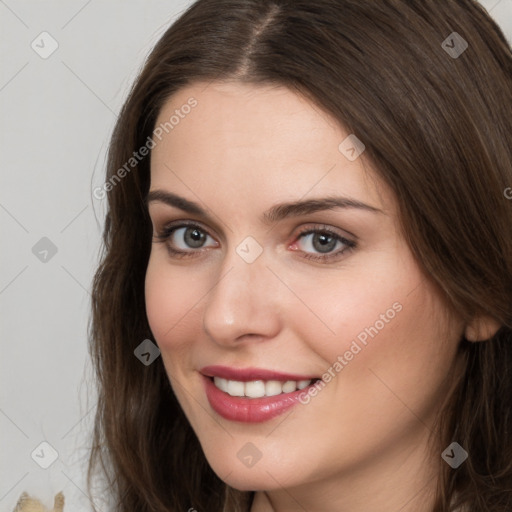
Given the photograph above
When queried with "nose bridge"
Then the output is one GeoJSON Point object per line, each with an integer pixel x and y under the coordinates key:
{"type": "Point", "coordinates": [241, 301]}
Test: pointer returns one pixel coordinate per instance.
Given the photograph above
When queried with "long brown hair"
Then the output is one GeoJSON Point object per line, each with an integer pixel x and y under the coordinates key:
{"type": "Point", "coordinates": [435, 117]}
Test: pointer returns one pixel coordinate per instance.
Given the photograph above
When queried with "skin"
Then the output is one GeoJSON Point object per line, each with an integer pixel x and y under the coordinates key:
{"type": "Point", "coordinates": [362, 443]}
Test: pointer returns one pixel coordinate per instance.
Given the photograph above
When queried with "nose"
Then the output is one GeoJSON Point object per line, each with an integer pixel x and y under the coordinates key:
{"type": "Point", "coordinates": [242, 304]}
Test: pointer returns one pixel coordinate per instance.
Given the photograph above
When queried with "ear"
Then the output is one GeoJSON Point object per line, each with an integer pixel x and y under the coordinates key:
{"type": "Point", "coordinates": [481, 328]}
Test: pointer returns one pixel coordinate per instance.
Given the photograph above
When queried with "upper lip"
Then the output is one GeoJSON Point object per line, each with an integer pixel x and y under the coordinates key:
{"type": "Point", "coordinates": [249, 374]}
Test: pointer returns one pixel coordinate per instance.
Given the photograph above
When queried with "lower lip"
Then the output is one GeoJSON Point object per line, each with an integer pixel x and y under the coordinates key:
{"type": "Point", "coordinates": [249, 410]}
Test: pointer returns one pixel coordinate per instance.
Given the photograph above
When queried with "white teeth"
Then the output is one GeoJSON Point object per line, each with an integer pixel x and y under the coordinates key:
{"type": "Point", "coordinates": [258, 388]}
{"type": "Point", "coordinates": [303, 384]}
{"type": "Point", "coordinates": [236, 388]}
{"type": "Point", "coordinates": [289, 386]}
{"type": "Point", "coordinates": [255, 388]}
{"type": "Point", "coordinates": [273, 388]}
{"type": "Point", "coordinates": [222, 384]}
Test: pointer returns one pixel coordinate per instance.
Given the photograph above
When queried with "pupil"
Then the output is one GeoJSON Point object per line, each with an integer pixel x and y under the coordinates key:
{"type": "Point", "coordinates": [194, 237]}
{"type": "Point", "coordinates": [323, 242]}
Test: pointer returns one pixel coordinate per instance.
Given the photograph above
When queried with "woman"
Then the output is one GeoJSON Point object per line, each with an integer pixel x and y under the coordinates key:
{"type": "Point", "coordinates": [304, 302]}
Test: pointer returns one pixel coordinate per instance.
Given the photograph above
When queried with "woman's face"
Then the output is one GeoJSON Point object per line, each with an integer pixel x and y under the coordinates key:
{"type": "Point", "coordinates": [290, 267]}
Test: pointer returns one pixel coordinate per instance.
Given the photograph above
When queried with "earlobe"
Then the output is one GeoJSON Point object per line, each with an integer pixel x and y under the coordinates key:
{"type": "Point", "coordinates": [481, 328]}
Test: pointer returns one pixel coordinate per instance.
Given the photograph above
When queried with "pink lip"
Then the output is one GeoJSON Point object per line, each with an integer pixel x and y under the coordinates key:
{"type": "Point", "coordinates": [249, 410]}
{"type": "Point", "coordinates": [247, 374]}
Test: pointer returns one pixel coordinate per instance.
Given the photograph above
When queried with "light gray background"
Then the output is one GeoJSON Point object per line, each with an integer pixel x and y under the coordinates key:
{"type": "Point", "coordinates": [56, 118]}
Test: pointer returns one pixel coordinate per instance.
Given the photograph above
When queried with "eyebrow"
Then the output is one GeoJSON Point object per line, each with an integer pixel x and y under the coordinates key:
{"type": "Point", "coordinates": [275, 214]}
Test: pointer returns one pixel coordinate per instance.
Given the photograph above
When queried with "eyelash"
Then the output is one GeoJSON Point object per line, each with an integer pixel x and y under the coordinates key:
{"type": "Point", "coordinates": [164, 235]}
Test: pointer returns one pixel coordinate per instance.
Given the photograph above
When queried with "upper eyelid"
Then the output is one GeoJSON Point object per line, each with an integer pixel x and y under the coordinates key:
{"type": "Point", "coordinates": [171, 227]}
{"type": "Point", "coordinates": [313, 228]}
{"type": "Point", "coordinates": [179, 214]}
{"type": "Point", "coordinates": [177, 224]}
{"type": "Point", "coordinates": [297, 218]}
{"type": "Point", "coordinates": [325, 227]}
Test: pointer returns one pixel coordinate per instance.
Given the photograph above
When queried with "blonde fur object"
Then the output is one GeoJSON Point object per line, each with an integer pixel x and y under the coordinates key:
{"type": "Point", "coordinates": [28, 504]}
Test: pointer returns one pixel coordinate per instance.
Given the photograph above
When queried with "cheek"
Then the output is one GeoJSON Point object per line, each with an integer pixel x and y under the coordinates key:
{"type": "Point", "coordinates": [349, 311]}
{"type": "Point", "coordinates": [397, 353]}
{"type": "Point", "coordinates": [170, 298]}
{"type": "Point", "coordinates": [385, 319]}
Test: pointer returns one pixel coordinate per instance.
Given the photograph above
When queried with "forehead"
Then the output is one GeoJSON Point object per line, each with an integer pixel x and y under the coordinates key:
{"type": "Point", "coordinates": [256, 142]}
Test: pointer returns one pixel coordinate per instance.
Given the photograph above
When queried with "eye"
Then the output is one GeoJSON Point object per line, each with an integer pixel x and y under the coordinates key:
{"type": "Point", "coordinates": [322, 244]}
{"type": "Point", "coordinates": [189, 240]}
{"type": "Point", "coordinates": [184, 239]}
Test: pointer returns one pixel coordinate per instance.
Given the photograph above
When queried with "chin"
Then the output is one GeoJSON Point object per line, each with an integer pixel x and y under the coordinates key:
{"type": "Point", "coordinates": [252, 482]}
{"type": "Point", "coordinates": [261, 477]}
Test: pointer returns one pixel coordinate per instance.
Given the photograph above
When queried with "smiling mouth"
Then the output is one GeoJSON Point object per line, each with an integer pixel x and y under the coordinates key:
{"type": "Point", "coordinates": [253, 395]}
{"type": "Point", "coordinates": [259, 388]}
